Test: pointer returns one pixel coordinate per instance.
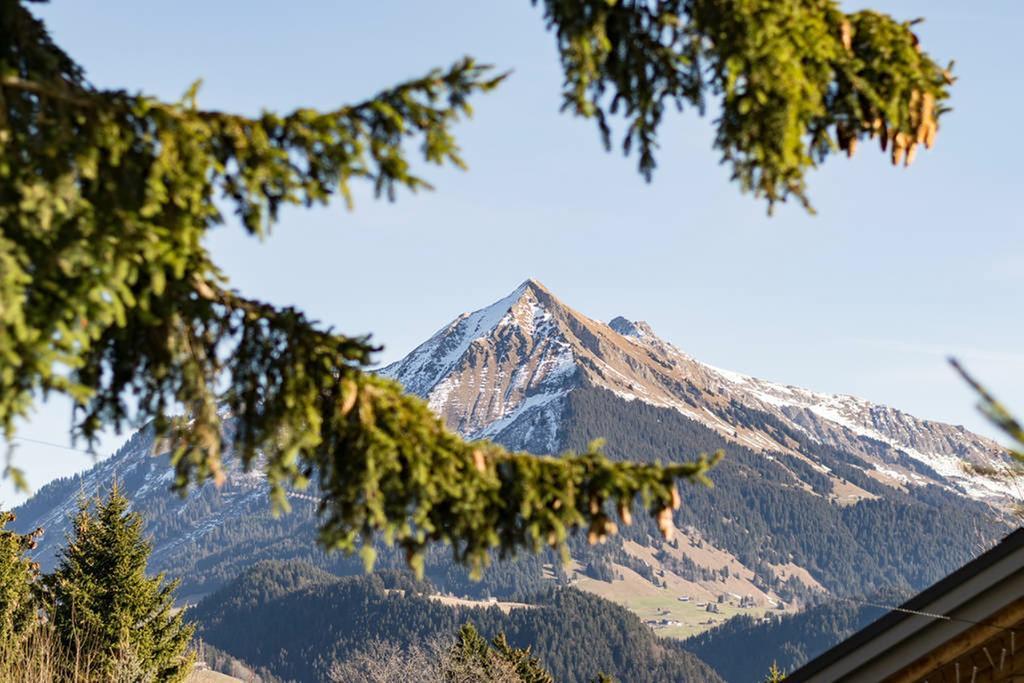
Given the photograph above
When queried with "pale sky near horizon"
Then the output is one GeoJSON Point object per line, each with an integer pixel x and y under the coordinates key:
{"type": "Point", "coordinates": [898, 270]}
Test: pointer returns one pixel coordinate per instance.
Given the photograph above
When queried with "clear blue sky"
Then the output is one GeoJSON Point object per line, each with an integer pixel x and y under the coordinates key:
{"type": "Point", "coordinates": [898, 269]}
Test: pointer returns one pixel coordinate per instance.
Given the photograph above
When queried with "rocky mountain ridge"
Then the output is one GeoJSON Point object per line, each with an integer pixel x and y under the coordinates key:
{"type": "Point", "coordinates": [503, 372]}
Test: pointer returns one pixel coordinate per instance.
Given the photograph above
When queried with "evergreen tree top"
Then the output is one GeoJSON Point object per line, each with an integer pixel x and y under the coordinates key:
{"type": "Point", "coordinates": [100, 594]}
{"type": "Point", "coordinates": [18, 576]}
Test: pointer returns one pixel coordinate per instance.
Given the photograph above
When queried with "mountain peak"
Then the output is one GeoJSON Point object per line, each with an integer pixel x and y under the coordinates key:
{"type": "Point", "coordinates": [534, 284]}
{"type": "Point", "coordinates": [491, 345]}
{"type": "Point", "coordinates": [534, 293]}
{"type": "Point", "coordinates": [529, 294]}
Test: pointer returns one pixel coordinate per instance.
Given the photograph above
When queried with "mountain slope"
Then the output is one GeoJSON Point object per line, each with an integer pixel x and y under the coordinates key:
{"type": "Point", "coordinates": [774, 515]}
{"type": "Point", "coordinates": [575, 635]}
{"type": "Point", "coordinates": [499, 371]}
{"type": "Point", "coordinates": [787, 641]}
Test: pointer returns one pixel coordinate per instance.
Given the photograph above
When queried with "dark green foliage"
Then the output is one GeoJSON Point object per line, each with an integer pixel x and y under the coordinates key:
{"type": "Point", "coordinates": [574, 636]}
{"type": "Point", "coordinates": [100, 597]}
{"type": "Point", "coordinates": [786, 641]}
{"type": "Point", "coordinates": [795, 81]}
{"type": "Point", "coordinates": [600, 569]}
{"type": "Point", "coordinates": [245, 533]}
{"type": "Point", "coordinates": [18, 575]}
{"type": "Point", "coordinates": [527, 666]}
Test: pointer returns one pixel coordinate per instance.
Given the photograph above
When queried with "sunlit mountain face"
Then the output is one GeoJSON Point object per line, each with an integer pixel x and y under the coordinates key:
{"type": "Point", "coordinates": [506, 372]}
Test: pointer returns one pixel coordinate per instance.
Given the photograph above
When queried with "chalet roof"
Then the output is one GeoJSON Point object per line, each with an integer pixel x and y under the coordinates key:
{"type": "Point", "coordinates": [978, 608]}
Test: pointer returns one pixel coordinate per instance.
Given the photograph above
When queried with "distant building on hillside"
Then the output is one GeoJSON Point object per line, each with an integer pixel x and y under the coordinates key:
{"type": "Point", "coordinates": [967, 628]}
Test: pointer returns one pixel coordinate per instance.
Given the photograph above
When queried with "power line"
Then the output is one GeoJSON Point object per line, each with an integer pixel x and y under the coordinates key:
{"type": "Point", "coordinates": [290, 494]}
{"type": "Point", "coordinates": [54, 445]}
{"type": "Point", "coordinates": [929, 615]}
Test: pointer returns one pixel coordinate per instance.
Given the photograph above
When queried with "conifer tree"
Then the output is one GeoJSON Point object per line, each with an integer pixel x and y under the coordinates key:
{"type": "Point", "coordinates": [18, 575]}
{"type": "Point", "coordinates": [99, 598]}
{"type": "Point", "coordinates": [524, 663]}
{"type": "Point", "coordinates": [775, 674]}
{"type": "Point", "coordinates": [109, 295]}
{"type": "Point", "coordinates": [471, 652]}
{"type": "Point", "coordinates": [473, 658]}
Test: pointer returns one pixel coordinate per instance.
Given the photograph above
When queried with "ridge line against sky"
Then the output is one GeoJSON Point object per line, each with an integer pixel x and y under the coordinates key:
{"type": "Point", "coordinates": [899, 269]}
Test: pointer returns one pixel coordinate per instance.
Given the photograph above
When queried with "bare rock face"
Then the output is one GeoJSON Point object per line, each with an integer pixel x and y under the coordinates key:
{"type": "Point", "coordinates": [504, 372]}
{"type": "Point", "coordinates": [508, 363]}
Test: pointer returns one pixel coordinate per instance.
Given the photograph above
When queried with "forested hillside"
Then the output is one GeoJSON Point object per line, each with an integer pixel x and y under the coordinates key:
{"type": "Point", "coordinates": [296, 620]}
{"type": "Point", "coordinates": [756, 511]}
{"type": "Point", "coordinates": [788, 640]}
{"type": "Point", "coordinates": [760, 513]}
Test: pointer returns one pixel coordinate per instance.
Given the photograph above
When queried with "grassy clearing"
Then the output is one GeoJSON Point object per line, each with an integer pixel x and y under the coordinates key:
{"type": "Point", "coordinates": [652, 603]}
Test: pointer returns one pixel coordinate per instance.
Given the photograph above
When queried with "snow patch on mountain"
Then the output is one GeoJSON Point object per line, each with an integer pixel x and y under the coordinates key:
{"type": "Point", "coordinates": [540, 415]}
{"type": "Point", "coordinates": [943, 448]}
{"type": "Point", "coordinates": [430, 361]}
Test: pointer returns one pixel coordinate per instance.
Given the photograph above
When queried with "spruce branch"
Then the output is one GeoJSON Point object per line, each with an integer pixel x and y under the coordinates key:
{"type": "Point", "coordinates": [793, 82]}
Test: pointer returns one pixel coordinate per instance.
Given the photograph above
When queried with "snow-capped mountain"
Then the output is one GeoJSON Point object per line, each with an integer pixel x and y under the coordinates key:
{"type": "Point", "coordinates": [504, 372]}
{"type": "Point", "coordinates": [817, 492]}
